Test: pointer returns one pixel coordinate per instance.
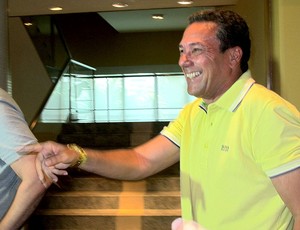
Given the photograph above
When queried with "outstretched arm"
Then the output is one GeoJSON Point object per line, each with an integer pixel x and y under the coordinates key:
{"type": "Point", "coordinates": [126, 164]}
{"type": "Point", "coordinates": [28, 194]}
{"type": "Point", "coordinates": [133, 164]}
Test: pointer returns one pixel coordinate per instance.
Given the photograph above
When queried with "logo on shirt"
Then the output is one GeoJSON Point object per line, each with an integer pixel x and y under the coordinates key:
{"type": "Point", "coordinates": [224, 148]}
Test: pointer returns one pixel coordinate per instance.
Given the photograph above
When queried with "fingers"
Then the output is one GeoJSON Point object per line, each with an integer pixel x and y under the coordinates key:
{"type": "Point", "coordinates": [47, 149]}
{"type": "Point", "coordinates": [45, 163]}
{"type": "Point", "coordinates": [52, 160]}
{"type": "Point", "coordinates": [38, 166]}
{"type": "Point", "coordinates": [62, 166]}
{"type": "Point", "coordinates": [59, 172]}
{"type": "Point", "coordinates": [50, 172]}
{"type": "Point", "coordinates": [29, 148]}
{"type": "Point", "coordinates": [54, 171]}
{"type": "Point", "coordinates": [45, 175]}
{"type": "Point", "coordinates": [62, 159]}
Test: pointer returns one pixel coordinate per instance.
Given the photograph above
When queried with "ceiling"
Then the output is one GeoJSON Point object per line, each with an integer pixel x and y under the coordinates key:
{"type": "Point", "coordinates": [134, 18]}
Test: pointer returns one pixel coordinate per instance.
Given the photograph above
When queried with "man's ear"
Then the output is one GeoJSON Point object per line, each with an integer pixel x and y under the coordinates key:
{"type": "Point", "coordinates": [235, 55]}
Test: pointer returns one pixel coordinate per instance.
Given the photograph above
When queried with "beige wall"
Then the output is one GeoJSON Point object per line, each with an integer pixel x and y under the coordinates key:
{"type": "Point", "coordinates": [274, 25]}
{"type": "Point", "coordinates": [286, 49]}
{"type": "Point", "coordinates": [30, 82]}
{"type": "Point", "coordinates": [254, 12]}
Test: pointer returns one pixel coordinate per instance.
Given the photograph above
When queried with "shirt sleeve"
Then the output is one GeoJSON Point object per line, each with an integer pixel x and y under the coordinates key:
{"type": "Point", "coordinates": [277, 139]}
{"type": "Point", "coordinates": [14, 130]}
{"type": "Point", "coordinates": [174, 131]}
{"type": "Point", "coordinates": [170, 133]}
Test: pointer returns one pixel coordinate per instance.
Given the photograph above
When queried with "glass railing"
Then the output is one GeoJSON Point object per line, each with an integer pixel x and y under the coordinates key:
{"type": "Point", "coordinates": [81, 96]}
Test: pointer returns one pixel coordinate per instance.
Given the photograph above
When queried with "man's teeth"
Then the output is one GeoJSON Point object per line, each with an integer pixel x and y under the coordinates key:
{"type": "Point", "coordinates": [192, 75]}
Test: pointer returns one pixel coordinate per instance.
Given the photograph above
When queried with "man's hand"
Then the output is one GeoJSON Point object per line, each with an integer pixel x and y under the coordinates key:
{"type": "Point", "coordinates": [53, 159]}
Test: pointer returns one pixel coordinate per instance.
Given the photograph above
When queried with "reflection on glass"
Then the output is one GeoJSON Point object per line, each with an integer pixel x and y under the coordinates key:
{"type": "Point", "coordinates": [48, 43]}
{"type": "Point", "coordinates": [86, 98]}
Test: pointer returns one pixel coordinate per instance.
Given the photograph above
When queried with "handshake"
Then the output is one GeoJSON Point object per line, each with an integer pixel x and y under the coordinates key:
{"type": "Point", "coordinates": [53, 159]}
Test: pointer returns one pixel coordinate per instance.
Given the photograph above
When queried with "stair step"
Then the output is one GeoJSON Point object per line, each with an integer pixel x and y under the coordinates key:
{"type": "Point", "coordinates": [108, 212]}
{"type": "Point", "coordinates": [113, 194]}
{"type": "Point", "coordinates": [114, 200]}
{"type": "Point", "coordinates": [157, 183]}
{"type": "Point", "coordinates": [87, 222]}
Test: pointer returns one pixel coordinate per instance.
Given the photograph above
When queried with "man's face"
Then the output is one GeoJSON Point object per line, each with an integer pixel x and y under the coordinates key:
{"type": "Point", "coordinates": [206, 69]}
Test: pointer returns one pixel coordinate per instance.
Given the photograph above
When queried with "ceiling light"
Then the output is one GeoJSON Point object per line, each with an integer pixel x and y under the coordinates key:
{"type": "Point", "coordinates": [119, 5]}
{"type": "Point", "coordinates": [28, 23]}
{"type": "Point", "coordinates": [158, 16]}
{"type": "Point", "coordinates": [185, 2]}
{"type": "Point", "coordinates": [55, 8]}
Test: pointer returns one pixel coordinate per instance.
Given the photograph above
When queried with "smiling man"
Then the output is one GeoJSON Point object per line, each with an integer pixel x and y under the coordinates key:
{"type": "Point", "coordinates": [238, 143]}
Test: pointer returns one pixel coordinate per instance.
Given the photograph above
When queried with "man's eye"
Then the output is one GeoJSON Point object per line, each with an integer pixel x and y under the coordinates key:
{"type": "Point", "coordinates": [196, 51]}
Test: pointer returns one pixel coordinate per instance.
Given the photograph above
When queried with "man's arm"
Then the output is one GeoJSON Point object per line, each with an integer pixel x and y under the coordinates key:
{"type": "Point", "coordinates": [133, 164]}
{"type": "Point", "coordinates": [125, 164]}
{"type": "Point", "coordinates": [288, 187]}
{"type": "Point", "coordinates": [28, 195]}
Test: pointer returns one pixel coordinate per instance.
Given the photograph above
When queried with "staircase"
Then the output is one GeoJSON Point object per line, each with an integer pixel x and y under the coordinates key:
{"type": "Point", "coordinates": [88, 201]}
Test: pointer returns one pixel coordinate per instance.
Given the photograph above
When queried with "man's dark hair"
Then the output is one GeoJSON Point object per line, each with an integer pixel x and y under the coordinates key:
{"type": "Point", "coordinates": [233, 31]}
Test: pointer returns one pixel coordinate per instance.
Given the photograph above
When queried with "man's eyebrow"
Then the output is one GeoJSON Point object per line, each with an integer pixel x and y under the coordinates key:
{"type": "Point", "coordinates": [195, 44]}
{"type": "Point", "coordinates": [191, 44]}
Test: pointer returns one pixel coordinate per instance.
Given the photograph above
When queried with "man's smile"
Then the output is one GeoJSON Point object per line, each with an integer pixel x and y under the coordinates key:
{"type": "Point", "coordinates": [193, 74]}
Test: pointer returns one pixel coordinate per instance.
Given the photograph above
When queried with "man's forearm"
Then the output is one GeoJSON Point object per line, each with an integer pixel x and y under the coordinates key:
{"type": "Point", "coordinates": [133, 164]}
{"type": "Point", "coordinates": [26, 200]}
{"type": "Point", "coordinates": [121, 164]}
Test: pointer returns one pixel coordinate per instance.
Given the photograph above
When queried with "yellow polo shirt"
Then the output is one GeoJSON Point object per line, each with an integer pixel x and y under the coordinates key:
{"type": "Point", "coordinates": [228, 152]}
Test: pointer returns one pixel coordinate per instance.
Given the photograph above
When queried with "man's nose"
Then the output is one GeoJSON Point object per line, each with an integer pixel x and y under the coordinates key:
{"type": "Point", "coordinates": [184, 60]}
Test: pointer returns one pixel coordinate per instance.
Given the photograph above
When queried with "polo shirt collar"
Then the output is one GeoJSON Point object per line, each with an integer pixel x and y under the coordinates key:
{"type": "Point", "coordinates": [232, 98]}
